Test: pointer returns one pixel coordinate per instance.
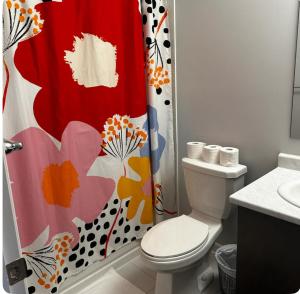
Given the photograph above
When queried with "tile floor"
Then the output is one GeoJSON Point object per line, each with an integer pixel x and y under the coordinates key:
{"type": "Point", "coordinates": [136, 273]}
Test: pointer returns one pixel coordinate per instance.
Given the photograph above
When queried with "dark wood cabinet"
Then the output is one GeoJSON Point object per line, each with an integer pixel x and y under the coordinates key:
{"type": "Point", "coordinates": [268, 258]}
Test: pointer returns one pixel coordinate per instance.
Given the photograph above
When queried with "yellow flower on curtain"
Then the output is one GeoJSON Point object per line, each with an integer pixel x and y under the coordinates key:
{"type": "Point", "coordinates": [140, 192]}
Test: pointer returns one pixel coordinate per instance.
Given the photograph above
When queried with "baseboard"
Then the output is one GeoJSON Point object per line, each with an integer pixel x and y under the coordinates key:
{"type": "Point", "coordinates": [79, 282]}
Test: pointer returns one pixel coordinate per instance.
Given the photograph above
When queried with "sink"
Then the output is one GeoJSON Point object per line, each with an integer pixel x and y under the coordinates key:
{"type": "Point", "coordinates": [290, 192]}
{"type": "Point", "coordinates": [277, 193]}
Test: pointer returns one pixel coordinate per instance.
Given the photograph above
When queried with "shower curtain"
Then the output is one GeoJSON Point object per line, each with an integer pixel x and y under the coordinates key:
{"type": "Point", "coordinates": [160, 105]}
{"type": "Point", "coordinates": [97, 161]}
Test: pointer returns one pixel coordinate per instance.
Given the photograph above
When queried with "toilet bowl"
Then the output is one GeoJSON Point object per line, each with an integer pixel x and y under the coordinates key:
{"type": "Point", "coordinates": [179, 242]}
{"type": "Point", "coordinates": [177, 249]}
{"type": "Point", "coordinates": [174, 256]}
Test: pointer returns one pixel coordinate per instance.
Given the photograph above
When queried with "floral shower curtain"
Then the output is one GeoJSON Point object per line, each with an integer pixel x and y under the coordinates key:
{"type": "Point", "coordinates": [93, 160]}
{"type": "Point", "coordinates": [156, 19]}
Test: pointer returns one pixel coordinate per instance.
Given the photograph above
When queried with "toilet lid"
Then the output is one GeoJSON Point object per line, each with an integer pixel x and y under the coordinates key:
{"type": "Point", "coordinates": [174, 237]}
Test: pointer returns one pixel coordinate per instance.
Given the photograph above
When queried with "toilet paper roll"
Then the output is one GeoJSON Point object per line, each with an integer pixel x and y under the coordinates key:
{"type": "Point", "coordinates": [194, 149]}
{"type": "Point", "coordinates": [229, 156]}
{"type": "Point", "coordinates": [211, 153]}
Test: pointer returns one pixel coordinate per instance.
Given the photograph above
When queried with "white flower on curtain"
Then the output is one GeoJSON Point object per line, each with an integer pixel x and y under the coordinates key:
{"type": "Point", "coordinates": [93, 62]}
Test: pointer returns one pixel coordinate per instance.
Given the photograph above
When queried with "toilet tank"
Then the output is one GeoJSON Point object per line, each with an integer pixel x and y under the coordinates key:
{"type": "Point", "coordinates": [210, 185]}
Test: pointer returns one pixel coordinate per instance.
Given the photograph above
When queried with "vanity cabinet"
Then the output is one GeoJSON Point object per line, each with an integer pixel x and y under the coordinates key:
{"type": "Point", "coordinates": [268, 258]}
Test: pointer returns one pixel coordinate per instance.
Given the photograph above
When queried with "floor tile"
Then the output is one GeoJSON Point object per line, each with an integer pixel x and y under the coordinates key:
{"type": "Point", "coordinates": [136, 276]}
{"type": "Point", "coordinates": [142, 277]}
{"type": "Point", "coordinates": [214, 288]}
{"type": "Point", "coordinates": [151, 291]}
{"type": "Point", "coordinates": [138, 261]}
{"type": "Point", "coordinates": [112, 283]}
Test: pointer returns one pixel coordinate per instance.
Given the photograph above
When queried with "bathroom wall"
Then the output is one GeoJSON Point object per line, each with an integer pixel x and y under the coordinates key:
{"type": "Point", "coordinates": [234, 63]}
{"type": "Point", "coordinates": [10, 247]}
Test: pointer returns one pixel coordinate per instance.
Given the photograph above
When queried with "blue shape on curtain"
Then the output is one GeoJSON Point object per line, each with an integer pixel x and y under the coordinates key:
{"type": "Point", "coordinates": [151, 124]}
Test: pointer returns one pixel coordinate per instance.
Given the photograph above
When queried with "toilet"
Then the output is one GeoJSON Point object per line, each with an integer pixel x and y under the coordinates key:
{"type": "Point", "coordinates": [177, 248]}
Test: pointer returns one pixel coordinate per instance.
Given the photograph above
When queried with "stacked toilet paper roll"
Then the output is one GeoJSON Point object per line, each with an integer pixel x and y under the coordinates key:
{"type": "Point", "coordinates": [229, 156]}
{"type": "Point", "coordinates": [215, 154]}
{"type": "Point", "coordinates": [194, 149]}
{"type": "Point", "coordinates": [211, 153]}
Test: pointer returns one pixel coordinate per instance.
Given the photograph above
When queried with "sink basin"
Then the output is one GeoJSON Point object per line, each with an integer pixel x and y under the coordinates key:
{"type": "Point", "coordinates": [290, 192]}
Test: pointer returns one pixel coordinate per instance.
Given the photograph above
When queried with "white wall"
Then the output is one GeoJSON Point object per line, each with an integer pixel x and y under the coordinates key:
{"type": "Point", "coordinates": [295, 129]}
{"type": "Point", "coordinates": [235, 62]}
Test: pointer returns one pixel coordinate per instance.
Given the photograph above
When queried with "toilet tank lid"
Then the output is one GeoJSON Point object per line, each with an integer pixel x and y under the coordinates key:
{"type": "Point", "coordinates": [217, 170]}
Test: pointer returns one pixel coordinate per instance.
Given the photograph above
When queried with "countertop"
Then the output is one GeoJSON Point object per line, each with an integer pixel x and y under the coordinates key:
{"type": "Point", "coordinates": [262, 196]}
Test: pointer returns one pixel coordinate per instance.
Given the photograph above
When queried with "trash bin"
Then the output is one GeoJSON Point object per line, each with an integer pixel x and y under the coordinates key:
{"type": "Point", "coordinates": [226, 259]}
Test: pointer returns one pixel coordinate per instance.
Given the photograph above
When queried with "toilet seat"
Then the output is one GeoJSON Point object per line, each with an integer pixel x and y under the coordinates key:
{"type": "Point", "coordinates": [175, 238]}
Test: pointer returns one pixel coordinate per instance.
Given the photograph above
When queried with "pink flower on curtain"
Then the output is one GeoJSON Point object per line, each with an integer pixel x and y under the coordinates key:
{"type": "Point", "coordinates": [50, 187]}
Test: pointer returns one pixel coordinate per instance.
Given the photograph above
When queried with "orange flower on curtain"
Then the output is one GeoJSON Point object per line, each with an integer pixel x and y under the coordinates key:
{"type": "Point", "coordinates": [140, 191]}
{"type": "Point", "coordinates": [24, 22]}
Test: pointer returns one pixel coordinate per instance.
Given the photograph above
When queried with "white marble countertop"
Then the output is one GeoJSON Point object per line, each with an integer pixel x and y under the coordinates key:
{"type": "Point", "coordinates": [262, 196]}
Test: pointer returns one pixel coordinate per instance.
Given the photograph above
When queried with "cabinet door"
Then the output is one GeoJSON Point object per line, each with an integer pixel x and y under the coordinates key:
{"type": "Point", "coordinates": [268, 259]}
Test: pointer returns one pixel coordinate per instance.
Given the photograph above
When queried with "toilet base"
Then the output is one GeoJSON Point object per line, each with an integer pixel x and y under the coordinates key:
{"type": "Point", "coordinates": [192, 280]}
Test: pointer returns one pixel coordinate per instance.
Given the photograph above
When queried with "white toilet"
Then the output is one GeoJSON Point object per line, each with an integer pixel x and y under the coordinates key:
{"type": "Point", "coordinates": [177, 248]}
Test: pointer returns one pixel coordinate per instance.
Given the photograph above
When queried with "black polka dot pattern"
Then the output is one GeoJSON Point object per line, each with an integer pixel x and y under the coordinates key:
{"type": "Point", "coordinates": [76, 247]}
{"type": "Point", "coordinates": [31, 289]}
{"type": "Point", "coordinates": [72, 257]}
{"type": "Point", "coordinates": [113, 211]}
{"type": "Point", "coordinates": [94, 235]}
{"type": "Point", "coordinates": [158, 44]}
{"type": "Point", "coordinates": [167, 44]}
{"type": "Point", "coordinates": [79, 263]}
{"type": "Point", "coordinates": [88, 226]}
{"type": "Point", "coordinates": [97, 239]}
{"type": "Point", "coordinates": [90, 237]}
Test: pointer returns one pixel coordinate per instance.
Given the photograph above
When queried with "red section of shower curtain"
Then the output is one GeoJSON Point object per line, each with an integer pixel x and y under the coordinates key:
{"type": "Point", "coordinates": [41, 60]}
